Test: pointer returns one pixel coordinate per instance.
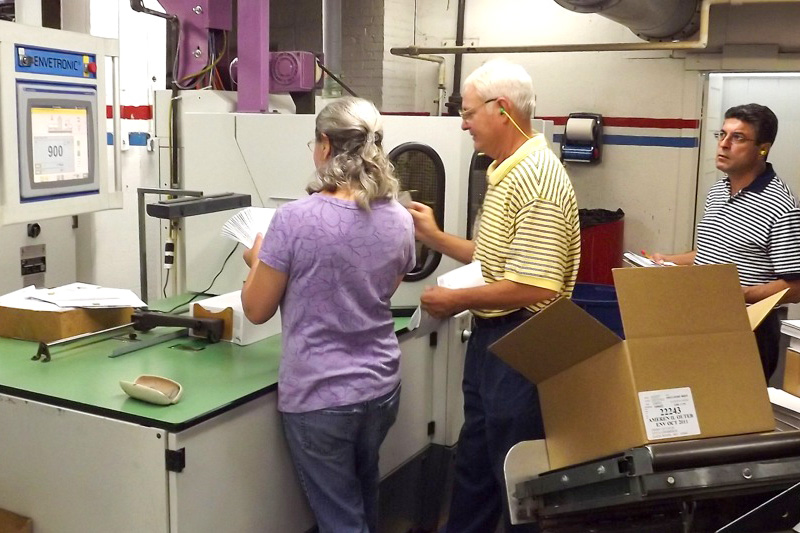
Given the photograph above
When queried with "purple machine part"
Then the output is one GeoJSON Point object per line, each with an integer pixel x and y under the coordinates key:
{"type": "Point", "coordinates": [196, 17]}
{"type": "Point", "coordinates": [258, 72]}
{"type": "Point", "coordinates": [253, 65]}
{"type": "Point", "coordinates": [292, 72]}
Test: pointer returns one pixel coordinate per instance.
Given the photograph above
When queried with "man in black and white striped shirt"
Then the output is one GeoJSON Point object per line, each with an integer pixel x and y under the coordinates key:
{"type": "Point", "coordinates": [751, 219]}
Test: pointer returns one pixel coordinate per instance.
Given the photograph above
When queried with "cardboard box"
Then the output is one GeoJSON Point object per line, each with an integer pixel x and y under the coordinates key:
{"type": "Point", "coordinates": [48, 326]}
{"type": "Point", "coordinates": [14, 523]}
{"type": "Point", "coordinates": [238, 329]}
{"type": "Point", "coordinates": [689, 367]}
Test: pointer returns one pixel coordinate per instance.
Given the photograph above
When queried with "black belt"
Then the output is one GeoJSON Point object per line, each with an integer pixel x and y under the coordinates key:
{"type": "Point", "coordinates": [520, 315]}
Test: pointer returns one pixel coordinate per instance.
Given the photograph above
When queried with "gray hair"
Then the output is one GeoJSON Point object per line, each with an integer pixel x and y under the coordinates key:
{"type": "Point", "coordinates": [500, 77]}
{"type": "Point", "coordinates": [355, 130]}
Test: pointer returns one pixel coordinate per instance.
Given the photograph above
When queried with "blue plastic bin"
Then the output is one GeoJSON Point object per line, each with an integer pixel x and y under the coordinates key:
{"type": "Point", "coordinates": [600, 301]}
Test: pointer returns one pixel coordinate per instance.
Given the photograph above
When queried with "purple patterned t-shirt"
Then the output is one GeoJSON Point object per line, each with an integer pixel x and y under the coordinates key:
{"type": "Point", "coordinates": [339, 345]}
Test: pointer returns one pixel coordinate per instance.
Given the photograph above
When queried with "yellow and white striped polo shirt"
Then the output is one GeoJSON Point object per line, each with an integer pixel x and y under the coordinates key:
{"type": "Point", "coordinates": [529, 230]}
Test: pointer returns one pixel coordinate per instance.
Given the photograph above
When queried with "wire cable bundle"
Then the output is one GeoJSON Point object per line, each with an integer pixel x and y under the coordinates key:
{"type": "Point", "coordinates": [247, 223]}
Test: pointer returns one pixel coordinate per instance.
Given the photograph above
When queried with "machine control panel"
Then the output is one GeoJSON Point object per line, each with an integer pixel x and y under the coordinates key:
{"type": "Point", "coordinates": [34, 60]}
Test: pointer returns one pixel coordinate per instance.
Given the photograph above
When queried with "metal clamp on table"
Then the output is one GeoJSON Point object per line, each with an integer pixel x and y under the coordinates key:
{"type": "Point", "coordinates": [738, 484]}
{"type": "Point", "coordinates": [210, 328]}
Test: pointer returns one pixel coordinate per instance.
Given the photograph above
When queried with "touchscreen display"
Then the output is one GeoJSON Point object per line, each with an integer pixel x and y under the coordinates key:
{"type": "Point", "coordinates": [60, 144]}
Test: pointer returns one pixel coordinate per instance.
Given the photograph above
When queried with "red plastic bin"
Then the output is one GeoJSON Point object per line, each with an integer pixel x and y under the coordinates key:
{"type": "Point", "coordinates": [601, 250]}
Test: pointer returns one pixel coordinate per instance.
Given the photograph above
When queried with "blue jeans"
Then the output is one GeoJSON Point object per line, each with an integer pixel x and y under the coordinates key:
{"type": "Point", "coordinates": [501, 408]}
{"type": "Point", "coordinates": [335, 454]}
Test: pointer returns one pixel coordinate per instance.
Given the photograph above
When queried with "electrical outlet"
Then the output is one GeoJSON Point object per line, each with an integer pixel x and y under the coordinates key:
{"type": "Point", "coordinates": [467, 42]}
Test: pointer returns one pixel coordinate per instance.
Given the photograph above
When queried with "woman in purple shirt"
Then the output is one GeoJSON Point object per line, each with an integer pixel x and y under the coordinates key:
{"type": "Point", "coordinates": [332, 261]}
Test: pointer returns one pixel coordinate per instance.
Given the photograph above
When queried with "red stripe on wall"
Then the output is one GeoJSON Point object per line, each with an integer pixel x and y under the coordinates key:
{"type": "Point", "coordinates": [637, 122]}
{"type": "Point", "coordinates": [136, 112]}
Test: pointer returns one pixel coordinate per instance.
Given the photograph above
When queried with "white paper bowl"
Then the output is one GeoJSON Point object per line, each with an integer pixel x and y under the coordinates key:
{"type": "Point", "coordinates": [153, 389]}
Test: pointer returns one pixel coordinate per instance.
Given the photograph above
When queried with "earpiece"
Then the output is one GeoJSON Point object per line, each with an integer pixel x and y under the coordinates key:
{"type": "Point", "coordinates": [502, 110]}
{"type": "Point", "coordinates": [763, 152]}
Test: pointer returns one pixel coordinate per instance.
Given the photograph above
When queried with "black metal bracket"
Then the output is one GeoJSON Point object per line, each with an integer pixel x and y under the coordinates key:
{"type": "Point", "coordinates": [210, 328]}
{"type": "Point", "coordinates": [175, 460]}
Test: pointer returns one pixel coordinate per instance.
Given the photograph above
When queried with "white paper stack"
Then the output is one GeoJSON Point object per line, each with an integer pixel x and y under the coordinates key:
{"type": "Point", "coordinates": [641, 261]}
{"type": "Point", "coordinates": [791, 328]}
{"type": "Point", "coordinates": [464, 277]}
{"type": "Point", "coordinates": [247, 223]}
{"type": "Point", "coordinates": [69, 297]}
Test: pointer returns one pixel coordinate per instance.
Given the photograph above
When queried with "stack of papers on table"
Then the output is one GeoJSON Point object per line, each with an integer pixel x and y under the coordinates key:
{"type": "Point", "coordinates": [66, 297]}
{"type": "Point", "coordinates": [46, 315]}
{"type": "Point", "coordinates": [464, 277]}
{"type": "Point", "coordinates": [247, 223]}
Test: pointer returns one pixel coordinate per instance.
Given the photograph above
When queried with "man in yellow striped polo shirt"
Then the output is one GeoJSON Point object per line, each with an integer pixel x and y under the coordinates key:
{"type": "Point", "coordinates": [528, 243]}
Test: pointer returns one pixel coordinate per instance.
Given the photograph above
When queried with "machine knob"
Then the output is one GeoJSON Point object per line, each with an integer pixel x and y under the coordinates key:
{"type": "Point", "coordinates": [92, 67]}
{"type": "Point", "coordinates": [34, 230]}
{"type": "Point", "coordinates": [26, 61]}
{"type": "Point", "coordinates": [465, 335]}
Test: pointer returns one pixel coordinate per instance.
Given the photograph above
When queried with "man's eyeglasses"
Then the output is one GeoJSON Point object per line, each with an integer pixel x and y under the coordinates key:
{"type": "Point", "coordinates": [467, 114]}
{"type": "Point", "coordinates": [735, 137]}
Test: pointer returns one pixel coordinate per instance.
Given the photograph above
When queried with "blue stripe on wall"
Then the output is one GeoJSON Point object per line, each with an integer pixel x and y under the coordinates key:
{"type": "Point", "coordinates": [136, 138]}
{"type": "Point", "coordinates": [640, 140]}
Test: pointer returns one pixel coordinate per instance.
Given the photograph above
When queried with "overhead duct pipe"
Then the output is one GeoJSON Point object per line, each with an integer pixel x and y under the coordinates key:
{"type": "Point", "coordinates": [698, 44]}
{"type": "Point", "coordinates": [649, 19]}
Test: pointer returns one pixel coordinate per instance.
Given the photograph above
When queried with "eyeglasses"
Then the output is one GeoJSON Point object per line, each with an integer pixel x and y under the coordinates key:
{"type": "Point", "coordinates": [735, 137]}
{"type": "Point", "coordinates": [467, 114]}
{"type": "Point", "coordinates": [311, 144]}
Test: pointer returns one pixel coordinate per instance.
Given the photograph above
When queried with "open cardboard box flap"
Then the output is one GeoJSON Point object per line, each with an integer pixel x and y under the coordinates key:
{"type": "Point", "coordinates": [654, 302]}
{"type": "Point", "coordinates": [688, 339]}
{"type": "Point", "coordinates": [664, 302]}
{"type": "Point", "coordinates": [553, 335]}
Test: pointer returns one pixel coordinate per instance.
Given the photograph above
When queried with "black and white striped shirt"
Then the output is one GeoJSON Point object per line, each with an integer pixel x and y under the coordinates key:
{"type": "Point", "coordinates": [757, 229]}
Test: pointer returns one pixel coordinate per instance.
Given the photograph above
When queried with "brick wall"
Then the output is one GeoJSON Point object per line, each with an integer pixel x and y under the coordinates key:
{"type": "Point", "coordinates": [297, 25]}
{"type": "Point", "coordinates": [362, 48]}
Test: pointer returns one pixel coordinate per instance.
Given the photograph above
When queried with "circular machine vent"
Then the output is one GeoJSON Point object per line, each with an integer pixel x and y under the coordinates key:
{"type": "Point", "coordinates": [284, 67]}
{"type": "Point", "coordinates": [421, 172]}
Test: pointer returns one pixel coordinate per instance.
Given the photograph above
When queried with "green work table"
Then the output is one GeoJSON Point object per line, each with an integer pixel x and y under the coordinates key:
{"type": "Point", "coordinates": [214, 377]}
{"type": "Point", "coordinates": [77, 454]}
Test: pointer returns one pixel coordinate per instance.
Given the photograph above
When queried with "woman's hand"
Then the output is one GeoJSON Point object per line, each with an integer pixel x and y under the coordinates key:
{"type": "Point", "coordinates": [250, 255]}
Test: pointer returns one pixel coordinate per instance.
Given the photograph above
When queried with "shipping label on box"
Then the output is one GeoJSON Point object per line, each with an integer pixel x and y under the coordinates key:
{"type": "Point", "coordinates": [669, 413]}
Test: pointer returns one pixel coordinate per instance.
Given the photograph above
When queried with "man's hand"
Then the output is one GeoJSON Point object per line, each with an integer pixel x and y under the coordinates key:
{"type": "Point", "coordinates": [250, 255]}
{"type": "Point", "coordinates": [658, 258]}
{"type": "Point", "coordinates": [425, 227]}
{"type": "Point", "coordinates": [440, 302]}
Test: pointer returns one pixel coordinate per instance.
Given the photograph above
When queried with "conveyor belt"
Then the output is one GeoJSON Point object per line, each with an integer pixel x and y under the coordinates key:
{"type": "Point", "coordinates": [724, 450]}
{"type": "Point", "coordinates": [689, 486]}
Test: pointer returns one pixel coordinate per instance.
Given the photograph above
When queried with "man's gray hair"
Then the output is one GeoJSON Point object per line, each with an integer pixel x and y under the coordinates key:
{"type": "Point", "coordinates": [500, 77]}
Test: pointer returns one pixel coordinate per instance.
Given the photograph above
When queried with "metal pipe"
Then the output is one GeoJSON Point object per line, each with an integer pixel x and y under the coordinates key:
{"type": "Point", "coordinates": [441, 83]}
{"type": "Point", "coordinates": [699, 44]}
{"type": "Point", "coordinates": [117, 122]}
{"type": "Point", "coordinates": [454, 103]}
{"type": "Point", "coordinates": [332, 44]}
{"type": "Point", "coordinates": [651, 20]}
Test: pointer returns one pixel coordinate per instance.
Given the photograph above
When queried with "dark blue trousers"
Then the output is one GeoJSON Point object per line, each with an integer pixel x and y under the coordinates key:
{"type": "Point", "coordinates": [501, 408]}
